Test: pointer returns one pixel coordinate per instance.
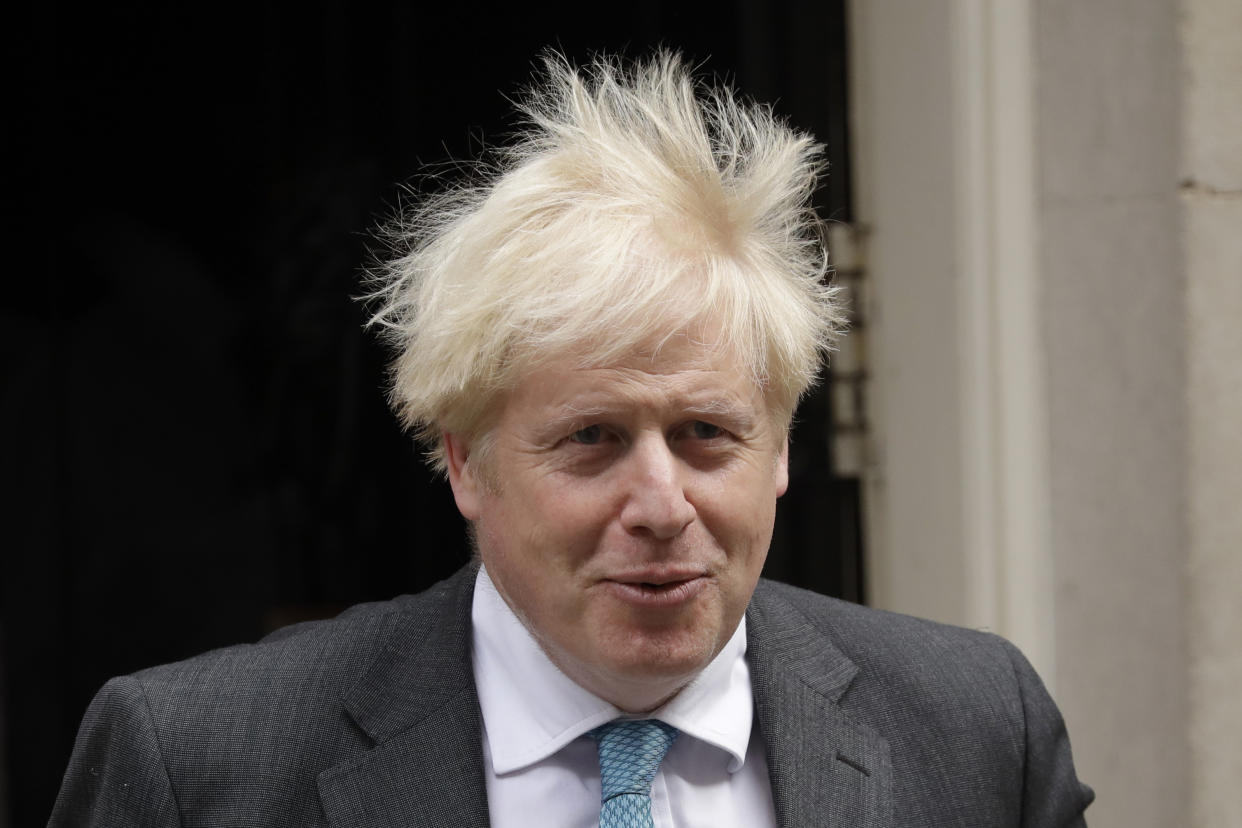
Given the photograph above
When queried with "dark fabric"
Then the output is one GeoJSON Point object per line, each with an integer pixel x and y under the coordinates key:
{"type": "Point", "coordinates": [367, 720]}
{"type": "Point", "coordinates": [878, 719]}
{"type": "Point", "coordinates": [870, 719]}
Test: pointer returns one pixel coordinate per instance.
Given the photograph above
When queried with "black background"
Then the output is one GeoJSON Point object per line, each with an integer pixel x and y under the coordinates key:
{"type": "Point", "coordinates": [196, 446]}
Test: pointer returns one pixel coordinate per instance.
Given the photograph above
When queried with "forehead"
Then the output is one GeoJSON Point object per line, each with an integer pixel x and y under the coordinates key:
{"type": "Point", "coordinates": [679, 371]}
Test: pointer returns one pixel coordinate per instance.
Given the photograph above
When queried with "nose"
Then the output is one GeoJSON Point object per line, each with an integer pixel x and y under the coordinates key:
{"type": "Point", "coordinates": [656, 501]}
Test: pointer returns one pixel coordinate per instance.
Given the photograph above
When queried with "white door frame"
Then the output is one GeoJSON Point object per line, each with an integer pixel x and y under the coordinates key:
{"type": "Point", "coordinates": [957, 500]}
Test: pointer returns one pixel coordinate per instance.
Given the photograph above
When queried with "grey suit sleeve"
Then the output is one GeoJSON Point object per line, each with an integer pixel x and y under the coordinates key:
{"type": "Point", "coordinates": [116, 776]}
{"type": "Point", "coordinates": [1052, 796]}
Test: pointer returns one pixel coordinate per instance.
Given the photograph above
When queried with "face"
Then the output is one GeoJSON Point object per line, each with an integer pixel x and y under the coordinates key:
{"type": "Point", "coordinates": [630, 513]}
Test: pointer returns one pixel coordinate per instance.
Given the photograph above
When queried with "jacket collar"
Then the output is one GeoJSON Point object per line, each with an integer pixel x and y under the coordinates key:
{"type": "Point", "coordinates": [418, 705]}
{"type": "Point", "coordinates": [825, 768]}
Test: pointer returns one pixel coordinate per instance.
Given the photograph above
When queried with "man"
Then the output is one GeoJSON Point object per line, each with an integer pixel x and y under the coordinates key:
{"type": "Point", "coordinates": [603, 345]}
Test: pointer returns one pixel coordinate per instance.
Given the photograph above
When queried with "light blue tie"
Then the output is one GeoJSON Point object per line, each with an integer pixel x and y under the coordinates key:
{"type": "Point", "coordinates": [630, 753]}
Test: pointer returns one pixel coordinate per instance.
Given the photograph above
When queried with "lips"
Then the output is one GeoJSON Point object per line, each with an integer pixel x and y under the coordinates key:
{"type": "Point", "coordinates": [666, 589]}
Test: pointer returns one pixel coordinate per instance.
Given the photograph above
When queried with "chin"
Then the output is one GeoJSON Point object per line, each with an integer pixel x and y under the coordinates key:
{"type": "Point", "coordinates": [664, 656]}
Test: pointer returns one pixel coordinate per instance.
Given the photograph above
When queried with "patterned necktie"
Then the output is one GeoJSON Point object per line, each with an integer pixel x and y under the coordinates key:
{"type": "Point", "coordinates": [630, 752]}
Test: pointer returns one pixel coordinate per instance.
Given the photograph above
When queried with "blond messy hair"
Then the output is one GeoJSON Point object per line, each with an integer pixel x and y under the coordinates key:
{"type": "Point", "coordinates": [635, 204]}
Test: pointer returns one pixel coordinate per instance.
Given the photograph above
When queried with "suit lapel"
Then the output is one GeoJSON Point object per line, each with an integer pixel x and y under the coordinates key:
{"type": "Point", "coordinates": [825, 768]}
{"type": "Point", "coordinates": [418, 704]}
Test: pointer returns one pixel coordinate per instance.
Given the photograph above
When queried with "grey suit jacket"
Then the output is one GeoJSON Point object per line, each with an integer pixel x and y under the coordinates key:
{"type": "Point", "coordinates": [870, 719]}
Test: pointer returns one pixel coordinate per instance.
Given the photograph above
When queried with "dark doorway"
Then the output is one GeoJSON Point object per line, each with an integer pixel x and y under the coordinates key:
{"type": "Point", "coordinates": [197, 446]}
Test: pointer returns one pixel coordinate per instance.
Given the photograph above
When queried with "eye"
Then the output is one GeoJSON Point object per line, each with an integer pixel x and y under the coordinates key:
{"type": "Point", "coordinates": [705, 431]}
{"type": "Point", "coordinates": [589, 436]}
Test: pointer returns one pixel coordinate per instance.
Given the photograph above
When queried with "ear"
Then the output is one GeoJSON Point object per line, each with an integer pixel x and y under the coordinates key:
{"type": "Point", "coordinates": [781, 471]}
{"type": "Point", "coordinates": [466, 486]}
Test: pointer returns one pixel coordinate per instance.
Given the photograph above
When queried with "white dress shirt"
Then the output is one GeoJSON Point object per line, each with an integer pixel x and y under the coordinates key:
{"type": "Point", "coordinates": [542, 770]}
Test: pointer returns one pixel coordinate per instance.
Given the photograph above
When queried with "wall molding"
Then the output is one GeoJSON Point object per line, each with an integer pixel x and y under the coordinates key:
{"type": "Point", "coordinates": [957, 499]}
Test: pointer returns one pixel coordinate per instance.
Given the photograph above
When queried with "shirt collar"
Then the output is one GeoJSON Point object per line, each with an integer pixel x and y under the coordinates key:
{"type": "Point", "coordinates": [531, 709]}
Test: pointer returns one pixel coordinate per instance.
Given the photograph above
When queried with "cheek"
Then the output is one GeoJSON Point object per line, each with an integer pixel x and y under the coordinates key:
{"type": "Point", "coordinates": [744, 511]}
{"type": "Point", "coordinates": [573, 516]}
{"type": "Point", "coordinates": [538, 536]}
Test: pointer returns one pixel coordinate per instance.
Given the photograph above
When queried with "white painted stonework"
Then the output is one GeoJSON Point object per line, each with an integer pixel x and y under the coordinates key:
{"type": "Point", "coordinates": [1053, 197]}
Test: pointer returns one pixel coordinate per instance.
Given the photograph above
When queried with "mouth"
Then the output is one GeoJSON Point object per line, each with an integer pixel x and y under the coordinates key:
{"type": "Point", "coordinates": [657, 591]}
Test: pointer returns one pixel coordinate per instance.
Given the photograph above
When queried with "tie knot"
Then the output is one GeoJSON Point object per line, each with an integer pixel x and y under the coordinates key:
{"type": "Point", "coordinates": [630, 753]}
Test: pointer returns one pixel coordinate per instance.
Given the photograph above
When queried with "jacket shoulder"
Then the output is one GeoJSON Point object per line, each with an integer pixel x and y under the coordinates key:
{"type": "Point", "coordinates": [313, 654]}
{"type": "Point", "coordinates": [923, 685]}
{"type": "Point", "coordinates": [952, 703]}
{"type": "Point", "coordinates": [885, 644]}
{"type": "Point", "coordinates": [204, 731]}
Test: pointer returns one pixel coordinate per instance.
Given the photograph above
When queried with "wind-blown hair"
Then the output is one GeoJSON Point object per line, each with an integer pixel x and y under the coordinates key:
{"type": "Point", "coordinates": [636, 203]}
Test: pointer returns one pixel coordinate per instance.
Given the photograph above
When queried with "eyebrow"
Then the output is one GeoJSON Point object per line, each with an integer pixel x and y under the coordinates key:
{"type": "Point", "coordinates": [716, 405]}
{"type": "Point", "coordinates": [570, 415]}
{"type": "Point", "coordinates": [733, 414]}
{"type": "Point", "coordinates": [738, 417]}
